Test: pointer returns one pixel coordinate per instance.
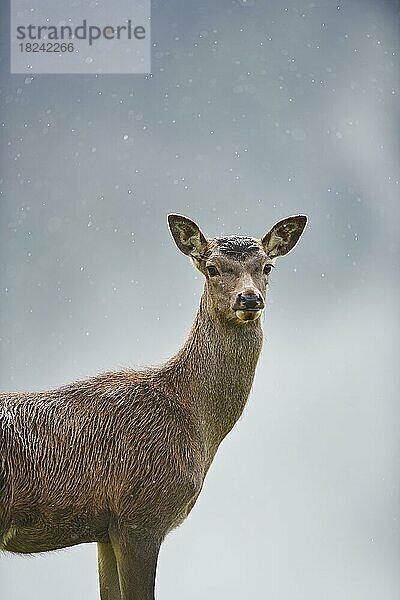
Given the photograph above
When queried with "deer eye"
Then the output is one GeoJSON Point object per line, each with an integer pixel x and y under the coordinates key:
{"type": "Point", "coordinates": [212, 271]}
{"type": "Point", "coordinates": [267, 269]}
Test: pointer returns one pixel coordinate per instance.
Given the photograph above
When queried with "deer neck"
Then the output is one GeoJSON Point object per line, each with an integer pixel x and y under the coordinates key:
{"type": "Point", "coordinates": [213, 372]}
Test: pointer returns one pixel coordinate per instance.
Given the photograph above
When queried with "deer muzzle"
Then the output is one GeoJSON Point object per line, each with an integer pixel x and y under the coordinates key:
{"type": "Point", "coordinates": [248, 305]}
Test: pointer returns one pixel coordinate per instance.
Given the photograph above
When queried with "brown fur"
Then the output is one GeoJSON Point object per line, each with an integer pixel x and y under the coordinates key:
{"type": "Point", "coordinates": [119, 459]}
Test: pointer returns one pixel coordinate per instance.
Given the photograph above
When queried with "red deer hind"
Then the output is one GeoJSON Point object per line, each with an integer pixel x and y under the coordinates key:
{"type": "Point", "coordinates": [120, 459]}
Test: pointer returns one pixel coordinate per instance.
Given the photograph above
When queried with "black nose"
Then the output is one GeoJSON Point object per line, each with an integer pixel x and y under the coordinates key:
{"type": "Point", "coordinates": [250, 301]}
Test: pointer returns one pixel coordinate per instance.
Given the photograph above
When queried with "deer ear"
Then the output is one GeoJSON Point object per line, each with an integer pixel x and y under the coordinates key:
{"type": "Point", "coordinates": [284, 235]}
{"type": "Point", "coordinates": [187, 236]}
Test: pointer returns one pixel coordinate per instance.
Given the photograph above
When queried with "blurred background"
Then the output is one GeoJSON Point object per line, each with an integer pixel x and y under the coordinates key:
{"type": "Point", "coordinates": [254, 111]}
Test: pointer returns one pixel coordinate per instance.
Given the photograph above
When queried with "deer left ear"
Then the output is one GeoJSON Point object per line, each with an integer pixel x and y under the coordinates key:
{"type": "Point", "coordinates": [188, 236]}
{"type": "Point", "coordinates": [284, 235]}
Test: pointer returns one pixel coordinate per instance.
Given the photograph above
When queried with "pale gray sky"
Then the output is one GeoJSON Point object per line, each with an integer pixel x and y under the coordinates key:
{"type": "Point", "coordinates": [254, 111]}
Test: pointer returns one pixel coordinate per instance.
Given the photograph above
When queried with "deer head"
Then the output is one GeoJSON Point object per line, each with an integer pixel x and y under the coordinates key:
{"type": "Point", "coordinates": [236, 268]}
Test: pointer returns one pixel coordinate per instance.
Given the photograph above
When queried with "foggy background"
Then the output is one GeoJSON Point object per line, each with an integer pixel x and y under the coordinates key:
{"type": "Point", "coordinates": [254, 111]}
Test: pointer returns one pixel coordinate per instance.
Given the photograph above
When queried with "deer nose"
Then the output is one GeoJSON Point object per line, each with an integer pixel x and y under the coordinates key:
{"type": "Point", "coordinates": [249, 301]}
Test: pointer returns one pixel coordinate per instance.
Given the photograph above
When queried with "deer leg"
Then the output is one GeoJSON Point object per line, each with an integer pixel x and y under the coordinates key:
{"type": "Point", "coordinates": [108, 572]}
{"type": "Point", "coordinates": [137, 562]}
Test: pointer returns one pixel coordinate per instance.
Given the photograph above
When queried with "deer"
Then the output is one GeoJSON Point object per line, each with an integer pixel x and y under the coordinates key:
{"type": "Point", "coordinates": [119, 459]}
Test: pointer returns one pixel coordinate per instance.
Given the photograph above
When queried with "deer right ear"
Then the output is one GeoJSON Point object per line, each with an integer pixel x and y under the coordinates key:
{"type": "Point", "coordinates": [187, 235]}
{"type": "Point", "coordinates": [284, 235]}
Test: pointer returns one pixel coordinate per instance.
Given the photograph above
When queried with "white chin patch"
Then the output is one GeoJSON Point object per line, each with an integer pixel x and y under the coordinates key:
{"type": "Point", "coordinates": [245, 315]}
